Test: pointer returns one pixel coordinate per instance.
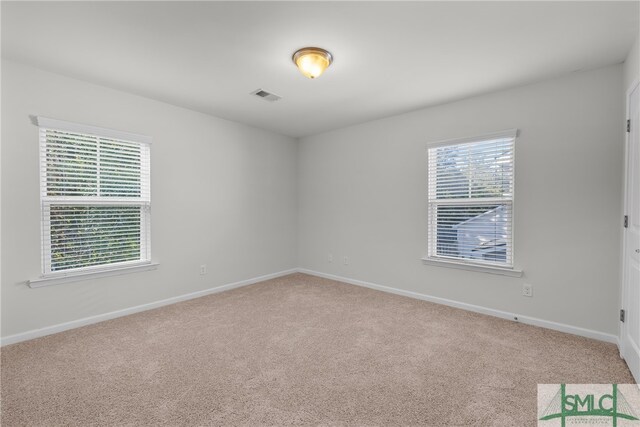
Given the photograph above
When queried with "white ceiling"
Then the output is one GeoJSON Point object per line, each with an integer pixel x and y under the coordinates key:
{"type": "Point", "coordinates": [390, 57]}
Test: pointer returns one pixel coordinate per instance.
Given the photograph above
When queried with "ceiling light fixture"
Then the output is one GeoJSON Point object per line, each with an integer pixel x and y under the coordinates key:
{"type": "Point", "coordinates": [312, 61]}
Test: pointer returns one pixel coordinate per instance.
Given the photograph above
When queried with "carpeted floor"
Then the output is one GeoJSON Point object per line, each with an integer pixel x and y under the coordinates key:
{"type": "Point", "coordinates": [297, 350]}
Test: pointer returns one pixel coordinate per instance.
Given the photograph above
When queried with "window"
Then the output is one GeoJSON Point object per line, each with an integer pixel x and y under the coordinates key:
{"type": "Point", "coordinates": [470, 212]}
{"type": "Point", "coordinates": [95, 198]}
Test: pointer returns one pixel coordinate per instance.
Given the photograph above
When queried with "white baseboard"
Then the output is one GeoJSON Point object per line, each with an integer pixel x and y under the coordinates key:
{"type": "Point", "coordinates": [36, 333]}
{"type": "Point", "coordinates": [575, 330]}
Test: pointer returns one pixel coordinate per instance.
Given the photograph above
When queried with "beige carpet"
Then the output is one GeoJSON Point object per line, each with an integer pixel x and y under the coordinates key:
{"type": "Point", "coordinates": [296, 350]}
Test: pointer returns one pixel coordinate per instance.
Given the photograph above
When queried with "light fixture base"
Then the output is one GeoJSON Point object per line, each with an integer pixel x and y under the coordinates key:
{"type": "Point", "coordinates": [312, 61]}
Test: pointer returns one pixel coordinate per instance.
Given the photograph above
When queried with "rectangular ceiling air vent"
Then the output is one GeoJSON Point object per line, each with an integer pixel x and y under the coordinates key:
{"type": "Point", "coordinates": [268, 96]}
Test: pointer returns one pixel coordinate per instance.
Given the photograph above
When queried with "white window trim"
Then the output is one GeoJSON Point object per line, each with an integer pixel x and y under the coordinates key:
{"type": "Point", "coordinates": [46, 122]}
{"type": "Point", "coordinates": [509, 133]}
{"type": "Point", "coordinates": [461, 265]}
{"type": "Point", "coordinates": [479, 266]}
{"type": "Point", "coordinates": [116, 270]}
{"type": "Point", "coordinates": [93, 272]}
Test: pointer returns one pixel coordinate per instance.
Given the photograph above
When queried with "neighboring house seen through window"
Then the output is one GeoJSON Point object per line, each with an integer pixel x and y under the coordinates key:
{"type": "Point", "coordinates": [470, 213]}
{"type": "Point", "coordinates": [95, 198]}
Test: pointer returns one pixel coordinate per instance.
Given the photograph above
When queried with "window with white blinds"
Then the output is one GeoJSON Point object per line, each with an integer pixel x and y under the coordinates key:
{"type": "Point", "coordinates": [95, 198]}
{"type": "Point", "coordinates": [470, 212]}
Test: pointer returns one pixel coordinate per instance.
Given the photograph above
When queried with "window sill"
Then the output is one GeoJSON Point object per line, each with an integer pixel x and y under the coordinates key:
{"type": "Point", "coordinates": [473, 267]}
{"type": "Point", "coordinates": [86, 275]}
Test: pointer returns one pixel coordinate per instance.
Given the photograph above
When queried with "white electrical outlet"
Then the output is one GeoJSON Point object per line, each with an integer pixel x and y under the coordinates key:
{"type": "Point", "coordinates": [345, 260]}
{"type": "Point", "coordinates": [330, 258]}
{"type": "Point", "coordinates": [527, 290]}
{"type": "Point", "coordinates": [203, 269]}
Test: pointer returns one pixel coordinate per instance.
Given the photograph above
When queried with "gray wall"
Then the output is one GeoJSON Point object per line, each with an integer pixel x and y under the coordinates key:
{"type": "Point", "coordinates": [632, 66]}
{"type": "Point", "coordinates": [362, 194]}
{"type": "Point", "coordinates": [223, 194]}
{"type": "Point", "coordinates": [246, 201]}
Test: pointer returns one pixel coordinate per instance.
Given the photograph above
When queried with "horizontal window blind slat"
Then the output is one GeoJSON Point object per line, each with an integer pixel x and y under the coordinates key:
{"type": "Point", "coordinates": [69, 225]}
{"type": "Point", "coordinates": [80, 235]}
{"type": "Point", "coordinates": [95, 201]}
{"type": "Point", "coordinates": [76, 230]}
{"type": "Point", "coordinates": [80, 260]}
{"type": "Point", "coordinates": [67, 220]}
{"type": "Point", "coordinates": [100, 251]}
{"type": "Point", "coordinates": [120, 163]}
{"type": "Point", "coordinates": [86, 246]}
{"type": "Point", "coordinates": [68, 139]}
{"type": "Point", "coordinates": [78, 164]}
{"type": "Point", "coordinates": [70, 253]}
{"type": "Point", "coordinates": [94, 213]}
{"type": "Point", "coordinates": [77, 236]}
{"type": "Point", "coordinates": [91, 252]}
{"type": "Point", "coordinates": [68, 143]}
{"type": "Point", "coordinates": [54, 174]}
{"type": "Point", "coordinates": [463, 201]}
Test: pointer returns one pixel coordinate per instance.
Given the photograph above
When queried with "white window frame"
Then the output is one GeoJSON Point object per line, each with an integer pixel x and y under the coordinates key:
{"type": "Point", "coordinates": [431, 258]}
{"type": "Point", "coordinates": [81, 273]}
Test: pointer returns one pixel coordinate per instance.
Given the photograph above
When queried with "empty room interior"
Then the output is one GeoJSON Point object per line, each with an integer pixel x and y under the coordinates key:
{"type": "Point", "coordinates": [320, 213]}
